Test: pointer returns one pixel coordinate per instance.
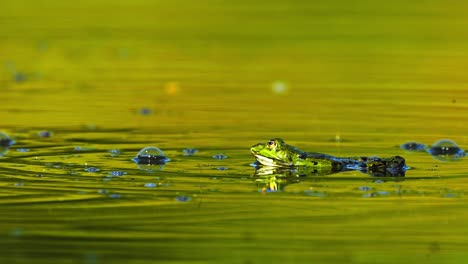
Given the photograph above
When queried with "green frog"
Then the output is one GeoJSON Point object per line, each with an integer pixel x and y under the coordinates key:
{"type": "Point", "coordinates": [276, 153]}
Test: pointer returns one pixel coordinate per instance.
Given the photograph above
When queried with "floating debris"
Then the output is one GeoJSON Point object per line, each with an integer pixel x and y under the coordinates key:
{"type": "Point", "coordinates": [189, 151]}
{"type": "Point", "coordinates": [446, 150]}
{"type": "Point", "coordinates": [150, 156]}
{"type": "Point", "coordinates": [413, 146]}
{"type": "Point", "coordinates": [220, 157]}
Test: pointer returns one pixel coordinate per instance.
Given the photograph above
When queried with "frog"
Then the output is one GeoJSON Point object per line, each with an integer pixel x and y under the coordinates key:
{"type": "Point", "coordinates": [276, 153]}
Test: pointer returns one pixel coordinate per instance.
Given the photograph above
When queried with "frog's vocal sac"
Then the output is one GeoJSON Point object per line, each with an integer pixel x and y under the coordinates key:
{"type": "Point", "coordinates": [276, 153]}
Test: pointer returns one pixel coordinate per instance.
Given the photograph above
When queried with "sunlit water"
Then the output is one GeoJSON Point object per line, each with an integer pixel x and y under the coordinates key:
{"type": "Point", "coordinates": [84, 89]}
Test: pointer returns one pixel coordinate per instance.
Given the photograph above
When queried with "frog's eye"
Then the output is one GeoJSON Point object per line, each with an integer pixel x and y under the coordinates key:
{"type": "Point", "coordinates": [271, 144]}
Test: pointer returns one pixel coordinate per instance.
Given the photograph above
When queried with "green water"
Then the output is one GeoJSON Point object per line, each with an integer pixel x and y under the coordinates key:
{"type": "Point", "coordinates": [347, 78]}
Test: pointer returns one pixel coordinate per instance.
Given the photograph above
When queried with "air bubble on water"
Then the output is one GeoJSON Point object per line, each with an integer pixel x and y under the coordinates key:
{"type": "Point", "coordinates": [446, 150]}
{"type": "Point", "coordinates": [92, 169]}
{"type": "Point", "coordinates": [220, 156]}
{"type": "Point", "coordinates": [16, 232]}
{"type": "Point", "coordinates": [115, 152]}
{"type": "Point", "coordinates": [19, 77]}
{"type": "Point", "coordinates": [23, 150]}
{"type": "Point", "coordinates": [189, 151]}
{"type": "Point", "coordinates": [115, 196]}
{"type": "Point", "coordinates": [150, 185]}
{"type": "Point", "coordinates": [145, 111]}
{"type": "Point", "coordinates": [183, 198]}
{"type": "Point", "coordinates": [117, 173]}
{"type": "Point", "coordinates": [413, 146]}
{"type": "Point", "coordinates": [45, 134]}
{"type": "Point", "coordinates": [5, 141]}
{"type": "Point", "coordinates": [150, 155]}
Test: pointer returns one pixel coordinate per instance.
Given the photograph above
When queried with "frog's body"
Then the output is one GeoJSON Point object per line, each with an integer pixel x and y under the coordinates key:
{"type": "Point", "coordinates": [277, 153]}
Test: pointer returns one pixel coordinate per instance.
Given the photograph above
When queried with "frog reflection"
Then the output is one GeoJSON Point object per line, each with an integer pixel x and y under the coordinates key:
{"type": "Point", "coordinates": [271, 179]}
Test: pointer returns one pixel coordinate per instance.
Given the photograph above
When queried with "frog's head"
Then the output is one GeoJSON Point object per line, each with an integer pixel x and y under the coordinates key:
{"type": "Point", "coordinates": [274, 153]}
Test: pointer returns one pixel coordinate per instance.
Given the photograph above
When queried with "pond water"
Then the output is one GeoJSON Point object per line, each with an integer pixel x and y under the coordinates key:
{"type": "Point", "coordinates": [83, 89]}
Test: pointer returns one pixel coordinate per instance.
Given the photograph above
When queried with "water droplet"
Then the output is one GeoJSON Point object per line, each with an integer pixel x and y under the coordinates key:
{"type": "Point", "coordinates": [413, 146]}
{"type": "Point", "coordinates": [364, 188]}
{"type": "Point", "coordinates": [222, 168]}
{"type": "Point", "coordinates": [150, 155]}
{"type": "Point", "coordinates": [102, 191]}
{"type": "Point", "coordinates": [446, 150]}
{"type": "Point", "coordinates": [150, 185]}
{"type": "Point", "coordinates": [220, 157]}
{"type": "Point", "coordinates": [189, 151]}
{"type": "Point", "coordinates": [183, 198]}
{"type": "Point", "coordinates": [19, 184]}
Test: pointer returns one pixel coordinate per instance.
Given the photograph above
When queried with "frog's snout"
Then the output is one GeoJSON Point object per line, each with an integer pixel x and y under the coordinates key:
{"type": "Point", "coordinates": [254, 148]}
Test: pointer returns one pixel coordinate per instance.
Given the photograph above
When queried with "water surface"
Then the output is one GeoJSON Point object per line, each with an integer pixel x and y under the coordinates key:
{"type": "Point", "coordinates": [109, 78]}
